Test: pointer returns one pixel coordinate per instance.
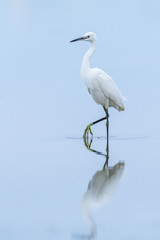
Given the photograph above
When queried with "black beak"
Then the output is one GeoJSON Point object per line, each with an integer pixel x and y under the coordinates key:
{"type": "Point", "coordinates": [78, 39]}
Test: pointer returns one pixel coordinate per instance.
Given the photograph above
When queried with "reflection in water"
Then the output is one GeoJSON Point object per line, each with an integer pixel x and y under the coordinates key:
{"type": "Point", "coordinates": [100, 188]}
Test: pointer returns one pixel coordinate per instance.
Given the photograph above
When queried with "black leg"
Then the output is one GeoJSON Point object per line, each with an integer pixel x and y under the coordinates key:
{"type": "Point", "coordinates": [107, 122]}
{"type": "Point", "coordinates": [88, 128]}
{"type": "Point", "coordinates": [107, 145]}
{"type": "Point", "coordinates": [107, 128]}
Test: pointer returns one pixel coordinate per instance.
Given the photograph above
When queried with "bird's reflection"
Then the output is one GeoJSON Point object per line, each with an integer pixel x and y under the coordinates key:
{"type": "Point", "coordinates": [100, 188]}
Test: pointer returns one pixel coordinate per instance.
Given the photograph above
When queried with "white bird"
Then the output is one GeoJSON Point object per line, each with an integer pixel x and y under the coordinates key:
{"type": "Point", "coordinates": [100, 85]}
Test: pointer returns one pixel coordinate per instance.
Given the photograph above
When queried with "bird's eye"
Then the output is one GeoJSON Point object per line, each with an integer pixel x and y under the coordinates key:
{"type": "Point", "coordinates": [87, 36]}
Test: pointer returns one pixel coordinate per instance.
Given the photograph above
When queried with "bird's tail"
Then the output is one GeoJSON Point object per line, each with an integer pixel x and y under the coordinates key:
{"type": "Point", "coordinates": [122, 107]}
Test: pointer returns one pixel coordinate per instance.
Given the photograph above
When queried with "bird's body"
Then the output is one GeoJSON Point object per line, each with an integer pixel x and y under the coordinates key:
{"type": "Point", "coordinates": [100, 85]}
{"type": "Point", "coordinates": [103, 89]}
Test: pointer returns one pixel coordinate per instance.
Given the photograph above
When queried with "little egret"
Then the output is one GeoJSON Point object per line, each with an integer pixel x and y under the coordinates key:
{"type": "Point", "coordinates": [100, 85]}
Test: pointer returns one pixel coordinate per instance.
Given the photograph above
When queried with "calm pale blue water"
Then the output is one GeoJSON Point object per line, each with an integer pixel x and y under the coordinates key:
{"type": "Point", "coordinates": [51, 185]}
{"type": "Point", "coordinates": [43, 182]}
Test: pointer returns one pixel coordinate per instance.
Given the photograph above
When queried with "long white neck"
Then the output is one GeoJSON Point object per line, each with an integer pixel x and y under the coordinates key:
{"type": "Point", "coordinates": [85, 67]}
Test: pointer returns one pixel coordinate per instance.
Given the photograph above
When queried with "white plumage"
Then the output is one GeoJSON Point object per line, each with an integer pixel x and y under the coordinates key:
{"type": "Point", "coordinates": [100, 85]}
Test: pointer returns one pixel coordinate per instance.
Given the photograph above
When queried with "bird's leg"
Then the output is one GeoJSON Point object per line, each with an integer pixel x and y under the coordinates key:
{"type": "Point", "coordinates": [88, 128]}
{"type": "Point", "coordinates": [107, 123]}
{"type": "Point", "coordinates": [106, 111]}
{"type": "Point", "coordinates": [107, 153]}
{"type": "Point", "coordinates": [107, 146]}
{"type": "Point", "coordinates": [87, 143]}
{"type": "Point", "coordinates": [107, 126]}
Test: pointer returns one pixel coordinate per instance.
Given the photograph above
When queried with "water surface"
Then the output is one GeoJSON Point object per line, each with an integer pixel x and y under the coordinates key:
{"type": "Point", "coordinates": [44, 188]}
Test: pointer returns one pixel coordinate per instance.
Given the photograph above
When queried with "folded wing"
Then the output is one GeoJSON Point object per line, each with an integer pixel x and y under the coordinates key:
{"type": "Point", "coordinates": [111, 91]}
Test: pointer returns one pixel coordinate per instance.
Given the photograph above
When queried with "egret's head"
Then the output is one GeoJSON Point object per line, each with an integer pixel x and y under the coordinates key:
{"type": "Point", "coordinates": [89, 36]}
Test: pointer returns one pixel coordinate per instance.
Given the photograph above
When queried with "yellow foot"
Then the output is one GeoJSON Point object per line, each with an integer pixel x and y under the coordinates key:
{"type": "Point", "coordinates": [86, 138]}
{"type": "Point", "coordinates": [87, 131]}
{"type": "Point", "coordinates": [87, 142]}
